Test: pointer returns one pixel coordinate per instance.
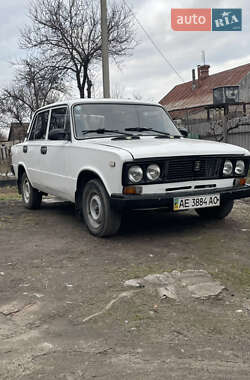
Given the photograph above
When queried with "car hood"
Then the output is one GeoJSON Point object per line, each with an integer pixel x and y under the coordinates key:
{"type": "Point", "coordinates": [147, 147]}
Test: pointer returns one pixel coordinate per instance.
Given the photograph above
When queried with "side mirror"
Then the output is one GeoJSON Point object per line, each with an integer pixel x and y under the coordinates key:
{"type": "Point", "coordinates": [184, 132]}
{"type": "Point", "coordinates": [59, 134]}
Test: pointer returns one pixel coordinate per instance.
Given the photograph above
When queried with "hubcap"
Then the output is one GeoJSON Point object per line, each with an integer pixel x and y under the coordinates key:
{"type": "Point", "coordinates": [26, 190]}
{"type": "Point", "coordinates": [95, 210]}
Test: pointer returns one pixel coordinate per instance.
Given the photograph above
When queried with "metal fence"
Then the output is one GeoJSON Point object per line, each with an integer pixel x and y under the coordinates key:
{"type": "Point", "coordinates": [4, 152]}
{"type": "Point", "coordinates": [202, 129]}
{"type": "Point", "coordinates": [241, 138]}
{"type": "Point", "coordinates": [5, 161]}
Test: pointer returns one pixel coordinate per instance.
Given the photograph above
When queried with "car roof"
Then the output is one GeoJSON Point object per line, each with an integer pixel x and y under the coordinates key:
{"type": "Point", "coordinates": [71, 102]}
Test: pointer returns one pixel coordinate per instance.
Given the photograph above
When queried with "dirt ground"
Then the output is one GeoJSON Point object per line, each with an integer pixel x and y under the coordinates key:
{"type": "Point", "coordinates": [54, 275]}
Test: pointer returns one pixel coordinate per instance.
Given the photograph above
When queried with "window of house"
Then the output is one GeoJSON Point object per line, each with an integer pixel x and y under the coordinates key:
{"type": "Point", "coordinates": [39, 128]}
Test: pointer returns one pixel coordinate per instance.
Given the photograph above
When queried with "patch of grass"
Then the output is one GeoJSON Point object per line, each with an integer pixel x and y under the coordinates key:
{"type": "Point", "coordinates": [9, 197]}
{"type": "Point", "coordinates": [235, 275]}
{"type": "Point", "coordinates": [9, 193]}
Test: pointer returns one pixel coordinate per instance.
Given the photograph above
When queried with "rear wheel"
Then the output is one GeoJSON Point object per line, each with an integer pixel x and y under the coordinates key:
{"type": "Point", "coordinates": [98, 214]}
{"type": "Point", "coordinates": [219, 212]}
{"type": "Point", "coordinates": [31, 197]}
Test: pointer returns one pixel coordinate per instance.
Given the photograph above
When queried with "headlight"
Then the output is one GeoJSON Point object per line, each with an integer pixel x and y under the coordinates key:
{"type": "Point", "coordinates": [239, 167]}
{"type": "Point", "coordinates": [135, 174]}
{"type": "Point", "coordinates": [153, 172]}
{"type": "Point", "coordinates": [228, 168]}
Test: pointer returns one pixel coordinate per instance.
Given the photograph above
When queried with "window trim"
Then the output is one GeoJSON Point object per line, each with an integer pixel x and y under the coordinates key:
{"type": "Point", "coordinates": [49, 109]}
{"type": "Point", "coordinates": [67, 111]}
{"type": "Point", "coordinates": [33, 121]}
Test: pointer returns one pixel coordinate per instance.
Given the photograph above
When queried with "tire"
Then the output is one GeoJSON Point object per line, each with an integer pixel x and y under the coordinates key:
{"type": "Point", "coordinates": [219, 212]}
{"type": "Point", "coordinates": [101, 220]}
{"type": "Point", "coordinates": [31, 197]}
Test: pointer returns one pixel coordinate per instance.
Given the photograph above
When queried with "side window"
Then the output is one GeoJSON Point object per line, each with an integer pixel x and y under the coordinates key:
{"type": "Point", "coordinates": [59, 120]}
{"type": "Point", "coordinates": [39, 128]}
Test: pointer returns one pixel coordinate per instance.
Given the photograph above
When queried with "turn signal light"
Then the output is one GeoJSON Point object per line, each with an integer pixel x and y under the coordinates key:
{"type": "Point", "coordinates": [240, 181]}
{"type": "Point", "coordinates": [243, 181]}
{"type": "Point", "coordinates": [132, 190]}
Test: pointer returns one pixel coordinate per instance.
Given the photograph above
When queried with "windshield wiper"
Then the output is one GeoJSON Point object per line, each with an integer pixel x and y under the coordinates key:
{"type": "Point", "coordinates": [104, 130]}
{"type": "Point", "coordinates": [143, 129]}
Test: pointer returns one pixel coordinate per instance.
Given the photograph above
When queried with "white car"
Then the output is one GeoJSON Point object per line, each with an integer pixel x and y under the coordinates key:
{"type": "Point", "coordinates": [110, 155]}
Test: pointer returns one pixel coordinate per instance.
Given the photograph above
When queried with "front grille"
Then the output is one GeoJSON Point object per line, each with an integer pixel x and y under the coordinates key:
{"type": "Point", "coordinates": [191, 168]}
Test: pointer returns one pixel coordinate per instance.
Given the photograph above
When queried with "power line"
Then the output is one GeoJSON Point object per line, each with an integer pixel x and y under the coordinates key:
{"type": "Point", "coordinates": [153, 43]}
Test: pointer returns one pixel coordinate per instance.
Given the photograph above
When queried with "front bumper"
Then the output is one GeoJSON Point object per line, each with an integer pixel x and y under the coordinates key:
{"type": "Point", "coordinates": [121, 201]}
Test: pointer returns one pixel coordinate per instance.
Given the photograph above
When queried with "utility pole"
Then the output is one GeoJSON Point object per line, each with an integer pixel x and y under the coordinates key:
{"type": "Point", "coordinates": [105, 57]}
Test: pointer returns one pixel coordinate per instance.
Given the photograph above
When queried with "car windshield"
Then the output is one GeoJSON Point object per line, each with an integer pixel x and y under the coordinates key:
{"type": "Point", "coordinates": [92, 118]}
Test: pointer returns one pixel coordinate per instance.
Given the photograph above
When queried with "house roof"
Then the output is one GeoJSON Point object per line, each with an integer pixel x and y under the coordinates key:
{"type": "Point", "coordinates": [183, 96]}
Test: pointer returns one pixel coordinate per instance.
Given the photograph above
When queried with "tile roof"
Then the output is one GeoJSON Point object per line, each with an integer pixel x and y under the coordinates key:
{"type": "Point", "coordinates": [183, 96]}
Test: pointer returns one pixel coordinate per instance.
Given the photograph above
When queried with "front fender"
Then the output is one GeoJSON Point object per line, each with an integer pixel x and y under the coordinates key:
{"type": "Point", "coordinates": [98, 174]}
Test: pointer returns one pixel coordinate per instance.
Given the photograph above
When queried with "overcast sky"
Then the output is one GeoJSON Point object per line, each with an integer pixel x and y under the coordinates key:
{"type": "Point", "coordinates": [146, 73]}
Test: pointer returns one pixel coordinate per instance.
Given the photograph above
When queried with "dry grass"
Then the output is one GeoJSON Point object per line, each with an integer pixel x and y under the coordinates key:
{"type": "Point", "coordinates": [4, 167]}
{"type": "Point", "coordinates": [9, 193]}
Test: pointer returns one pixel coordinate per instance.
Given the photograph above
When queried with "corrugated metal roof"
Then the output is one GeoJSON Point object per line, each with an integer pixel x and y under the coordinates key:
{"type": "Point", "coordinates": [183, 96]}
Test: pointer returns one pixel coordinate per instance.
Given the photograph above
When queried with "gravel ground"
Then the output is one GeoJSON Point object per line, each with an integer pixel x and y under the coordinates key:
{"type": "Point", "coordinates": [57, 284]}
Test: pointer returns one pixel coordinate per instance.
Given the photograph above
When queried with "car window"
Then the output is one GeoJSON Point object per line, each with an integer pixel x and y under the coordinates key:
{"type": "Point", "coordinates": [152, 118]}
{"type": "Point", "coordinates": [39, 128]}
{"type": "Point", "coordinates": [59, 119]}
{"type": "Point", "coordinates": [90, 117]}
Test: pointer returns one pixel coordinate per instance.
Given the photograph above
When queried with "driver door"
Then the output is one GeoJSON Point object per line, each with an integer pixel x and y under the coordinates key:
{"type": "Point", "coordinates": [54, 153]}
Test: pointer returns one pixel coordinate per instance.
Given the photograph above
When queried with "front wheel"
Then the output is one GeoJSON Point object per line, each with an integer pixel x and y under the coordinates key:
{"type": "Point", "coordinates": [219, 212]}
{"type": "Point", "coordinates": [31, 197]}
{"type": "Point", "coordinates": [98, 214]}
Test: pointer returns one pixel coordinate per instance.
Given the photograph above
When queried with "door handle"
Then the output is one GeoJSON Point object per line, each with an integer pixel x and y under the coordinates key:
{"type": "Point", "coordinates": [25, 149]}
{"type": "Point", "coordinates": [43, 149]}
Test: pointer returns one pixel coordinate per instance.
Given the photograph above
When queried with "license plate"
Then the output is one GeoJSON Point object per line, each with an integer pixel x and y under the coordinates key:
{"type": "Point", "coordinates": [200, 201]}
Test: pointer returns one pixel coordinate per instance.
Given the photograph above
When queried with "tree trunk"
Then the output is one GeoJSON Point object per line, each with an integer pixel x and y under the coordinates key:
{"type": "Point", "coordinates": [80, 85]}
{"type": "Point", "coordinates": [89, 86]}
{"type": "Point", "coordinates": [81, 92]}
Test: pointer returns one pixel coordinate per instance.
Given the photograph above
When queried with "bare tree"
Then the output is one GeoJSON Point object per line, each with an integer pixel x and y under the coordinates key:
{"type": "Point", "coordinates": [34, 86]}
{"type": "Point", "coordinates": [37, 84]}
{"type": "Point", "coordinates": [68, 34]}
{"type": "Point", "coordinates": [13, 116]}
{"type": "Point", "coordinates": [11, 109]}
